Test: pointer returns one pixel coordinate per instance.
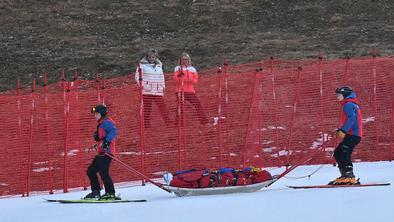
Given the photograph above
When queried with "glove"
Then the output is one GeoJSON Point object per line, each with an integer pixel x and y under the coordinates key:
{"type": "Point", "coordinates": [181, 75]}
{"type": "Point", "coordinates": [96, 136]}
{"type": "Point", "coordinates": [340, 133]}
{"type": "Point", "coordinates": [106, 146]}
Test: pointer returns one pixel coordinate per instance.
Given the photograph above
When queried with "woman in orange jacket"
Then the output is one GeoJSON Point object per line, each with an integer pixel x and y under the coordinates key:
{"type": "Point", "coordinates": [185, 76]}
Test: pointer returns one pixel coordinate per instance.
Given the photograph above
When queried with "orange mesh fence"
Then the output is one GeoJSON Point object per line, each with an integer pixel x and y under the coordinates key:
{"type": "Point", "coordinates": [269, 113]}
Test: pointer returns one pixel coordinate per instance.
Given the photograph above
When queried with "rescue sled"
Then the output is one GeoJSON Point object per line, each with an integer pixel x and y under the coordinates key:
{"type": "Point", "coordinates": [180, 191]}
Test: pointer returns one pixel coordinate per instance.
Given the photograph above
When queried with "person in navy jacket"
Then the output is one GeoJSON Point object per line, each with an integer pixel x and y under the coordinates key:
{"type": "Point", "coordinates": [350, 132]}
{"type": "Point", "coordinates": [105, 137]}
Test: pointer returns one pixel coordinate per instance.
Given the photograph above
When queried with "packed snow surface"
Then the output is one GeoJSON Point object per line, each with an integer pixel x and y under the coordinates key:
{"type": "Point", "coordinates": [276, 203]}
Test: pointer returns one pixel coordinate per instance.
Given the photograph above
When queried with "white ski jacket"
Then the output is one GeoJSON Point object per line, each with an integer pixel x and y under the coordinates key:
{"type": "Point", "coordinates": [153, 82]}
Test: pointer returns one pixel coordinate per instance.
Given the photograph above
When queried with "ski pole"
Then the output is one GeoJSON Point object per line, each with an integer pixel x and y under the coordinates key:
{"type": "Point", "coordinates": [138, 173]}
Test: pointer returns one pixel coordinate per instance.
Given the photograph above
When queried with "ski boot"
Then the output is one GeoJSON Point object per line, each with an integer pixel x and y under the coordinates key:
{"type": "Point", "coordinates": [350, 179]}
{"type": "Point", "coordinates": [338, 179]}
{"type": "Point", "coordinates": [95, 194]}
{"type": "Point", "coordinates": [347, 178]}
{"type": "Point", "coordinates": [109, 196]}
{"type": "Point", "coordinates": [345, 181]}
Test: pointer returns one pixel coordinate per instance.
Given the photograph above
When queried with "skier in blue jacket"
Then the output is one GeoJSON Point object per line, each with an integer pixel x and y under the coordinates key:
{"type": "Point", "coordinates": [350, 132]}
{"type": "Point", "coordinates": [105, 137]}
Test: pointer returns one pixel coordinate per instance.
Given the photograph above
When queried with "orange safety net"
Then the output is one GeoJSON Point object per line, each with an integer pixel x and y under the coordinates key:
{"type": "Point", "coordinates": [269, 113]}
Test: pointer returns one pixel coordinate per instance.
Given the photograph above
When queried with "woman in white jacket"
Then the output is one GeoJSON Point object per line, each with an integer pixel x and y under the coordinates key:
{"type": "Point", "coordinates": [153, 85]}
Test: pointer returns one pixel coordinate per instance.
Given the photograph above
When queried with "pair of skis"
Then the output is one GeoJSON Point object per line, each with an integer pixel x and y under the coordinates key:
{"type": "Point", "coordinates": [340, 186]}
{"type": "Point", "coordinates": [92, 201]}
{"type": "Point", "coordinates": [117, 200]}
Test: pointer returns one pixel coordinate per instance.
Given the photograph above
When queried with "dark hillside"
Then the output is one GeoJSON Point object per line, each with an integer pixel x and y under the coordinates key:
{"type": "Point", "coordinates": [111, 36]}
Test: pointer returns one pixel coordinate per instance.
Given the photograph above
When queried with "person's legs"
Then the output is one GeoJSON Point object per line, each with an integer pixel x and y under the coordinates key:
{"type": "Point", "coordinates": [179, 108]}
{"type": "Point", "coordinates": [343, 157]}
{"type": "Point", "coordinates": [339, 156]}
{"type": "Point", "coordinates": [92, 174]}
{"type": "Point", "coordinates": [93, 178]}
{"type": "Point", "coordinates": [147, 109]}
{"type": "Point", "coordinates": [159, 100]}
{"type": "Point", "coordinates": [349, 144]}
{"type": "Point", "coordinates": [193, 99]}
{"type": "Point", "coordinates": [104, 165]}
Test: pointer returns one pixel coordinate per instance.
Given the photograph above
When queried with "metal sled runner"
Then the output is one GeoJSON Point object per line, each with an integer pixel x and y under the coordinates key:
{"type": "Point", "coordinates": [180, 192]}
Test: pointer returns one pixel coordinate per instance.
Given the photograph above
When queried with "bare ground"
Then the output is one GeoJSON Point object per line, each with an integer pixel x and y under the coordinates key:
{"type": "Point", "coordinates": [109, 37]}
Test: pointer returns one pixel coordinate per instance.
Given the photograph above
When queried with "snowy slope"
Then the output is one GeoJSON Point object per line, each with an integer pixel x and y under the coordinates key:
{"type": "Point", "coordinates": [276, 203]}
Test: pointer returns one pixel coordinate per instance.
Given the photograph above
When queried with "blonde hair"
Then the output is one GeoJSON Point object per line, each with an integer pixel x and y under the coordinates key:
{"type": "Point", "coordinates": [189, 60]}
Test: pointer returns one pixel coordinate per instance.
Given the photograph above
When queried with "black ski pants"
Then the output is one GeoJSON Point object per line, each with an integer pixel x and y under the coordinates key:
{"type": "Point", "coordinates": [101, 164]}
{"type": "Point", "coordinates": [343, 153]}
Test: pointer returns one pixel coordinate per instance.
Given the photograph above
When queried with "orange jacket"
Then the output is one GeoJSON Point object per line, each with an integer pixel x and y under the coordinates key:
{"type": "Point", "coordinates": [189, 77]}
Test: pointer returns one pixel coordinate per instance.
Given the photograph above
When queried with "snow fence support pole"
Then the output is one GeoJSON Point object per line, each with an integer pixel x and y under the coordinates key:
{"type": "Point", "coordinates": [50, 175]}
{"type": "Point", "coordinates": [98, 88]}
{"type": "Point", "coordinates": [226, 115]}
{"type": "Point", "coordinates": [181, 119]}
{"type": "Point", "coordinates": [296, 99]}
{"type": "Point", "coordinates": [346, 75]}
{"type": "Point", "coordinates": [19, 133]}
{"type": "Point", "coordinates": [321, 95]}
{"type": "Point", "coordinates": [66, 107]}
{"type": "Point", "coordinates": [375, 103]}
{"type": "Point", "coordinates": [219, 123]}
{"type": "Point", "coordinates": [137, 172]}
{"type": "Point", "coordinates": [260, 110]}
{"type": "Point", "coordinates": [256, 85]}
{"type": "Point", "coordinates": [32, 112]}
{"type": "Point", "coordinates": [82, 154]}
{"type": "Point", "coordinates": [275, 111]}
{"type": "Point", "coordinates": [142, 123]}
{"type": "Point", "coordinates": [392, 130]}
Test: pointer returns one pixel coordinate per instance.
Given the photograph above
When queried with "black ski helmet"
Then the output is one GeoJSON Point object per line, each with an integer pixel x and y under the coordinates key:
{"type": "Point", "coordinates": [101, 108]}
{"type": "Point", "coordinates": [344, 90]}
